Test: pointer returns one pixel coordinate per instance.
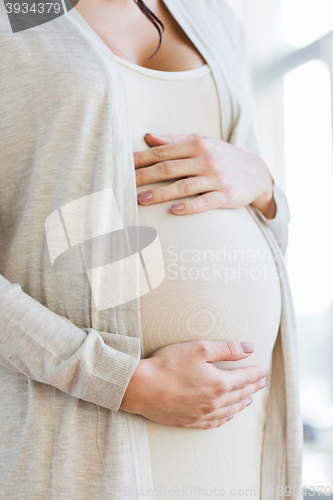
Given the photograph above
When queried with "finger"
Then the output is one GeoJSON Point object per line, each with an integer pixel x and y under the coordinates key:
{"type": "Point", "coordinates": [184, 187]}
{"type": "Point", "coordinates": [215, 408]}
{"type": "Point", "coordinates": [156, 139]}
{"type": "Point", "coordinates": [235, 397]}
{"type": "Point", "coordinates": [207, 201]}
{"type": "Point", "coordinates": [170, 169]}
{"type": "Point", "coordinates": [208, 424]}
{"type": "Point", "coordinates": [222, 350]}
{"type": "Point", "coordinates": [227, 411]}
{"type": "Point", "coordinates": [173, 151]}
{"type": "Point", "coordinates": [238, 378]}
{"type": "Point", "coordinates": [223, 415]}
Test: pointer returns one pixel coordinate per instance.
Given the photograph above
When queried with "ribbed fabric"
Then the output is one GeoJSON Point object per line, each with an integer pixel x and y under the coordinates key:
{"type": "Point", "coordinates": [102, 385]}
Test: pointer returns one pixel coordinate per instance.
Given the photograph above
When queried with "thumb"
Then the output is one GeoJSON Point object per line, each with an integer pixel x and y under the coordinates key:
{"type": "Point", "coordinates": [158, 140]}
{"type": "Point", "coordinates": [226, 350]}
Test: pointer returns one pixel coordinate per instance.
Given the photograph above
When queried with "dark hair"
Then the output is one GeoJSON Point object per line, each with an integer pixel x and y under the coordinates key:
{"type": "Point", "coordinates": [153, 19]}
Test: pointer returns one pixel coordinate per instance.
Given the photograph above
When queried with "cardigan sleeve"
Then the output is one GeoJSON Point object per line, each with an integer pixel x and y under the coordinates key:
{"type": "Point", "coordinates": [48, 348]}
{"type": "Point", "coordinates": [279, 224]}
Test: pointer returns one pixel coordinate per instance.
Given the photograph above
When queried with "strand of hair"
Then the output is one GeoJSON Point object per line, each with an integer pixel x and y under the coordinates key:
{"type": "Point", "coordinates": [153, 19]}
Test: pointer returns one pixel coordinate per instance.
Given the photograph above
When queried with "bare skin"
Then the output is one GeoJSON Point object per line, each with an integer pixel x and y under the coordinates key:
{"type": "Point", "coordinates": [222, 175]}
{"type": "Point", "coordinates": [178, 385]}
{"type": "Point", "coordinates": [128, 34]}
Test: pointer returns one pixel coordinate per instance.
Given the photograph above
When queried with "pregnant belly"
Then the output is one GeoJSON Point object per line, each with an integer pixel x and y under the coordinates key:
{"type": "Point", "coordinates": [221, 282]}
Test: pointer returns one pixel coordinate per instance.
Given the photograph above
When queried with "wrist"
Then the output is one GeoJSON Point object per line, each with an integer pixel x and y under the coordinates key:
{"type": "Point", "coordinates": [265, 202]}
{"type": "Point", "coordinates": [266, 205]}
{"type": "Point", "coordinates": [137, 388]}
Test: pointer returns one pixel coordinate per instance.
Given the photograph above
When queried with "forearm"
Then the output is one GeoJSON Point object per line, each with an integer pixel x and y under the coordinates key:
{"type": "Point", "coordinates": [48, 348]}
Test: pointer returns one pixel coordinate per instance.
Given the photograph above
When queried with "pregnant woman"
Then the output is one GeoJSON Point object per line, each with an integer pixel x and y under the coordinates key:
{"type": "Point", "coordinates": [164, 395]}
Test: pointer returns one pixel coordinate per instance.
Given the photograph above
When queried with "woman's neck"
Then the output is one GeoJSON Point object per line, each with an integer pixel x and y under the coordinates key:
{"type": "Point", "coordinates": [130, 35]}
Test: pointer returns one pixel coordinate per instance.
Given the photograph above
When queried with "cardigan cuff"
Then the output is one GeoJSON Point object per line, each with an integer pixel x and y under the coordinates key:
{"type": "Point", "coordinates": [113, 370]}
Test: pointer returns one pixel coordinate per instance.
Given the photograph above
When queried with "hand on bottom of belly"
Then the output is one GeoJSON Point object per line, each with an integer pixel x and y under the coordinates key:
{"type": "Point", "coordinates": [179, 386]}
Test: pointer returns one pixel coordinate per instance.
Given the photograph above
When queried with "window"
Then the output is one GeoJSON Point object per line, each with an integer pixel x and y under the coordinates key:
{"type": "Point", "coordinates": [304, 21]}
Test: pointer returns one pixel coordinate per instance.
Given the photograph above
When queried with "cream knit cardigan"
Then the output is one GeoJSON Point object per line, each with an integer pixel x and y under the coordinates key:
{"type": "Point", "coordinates": [64, 366]}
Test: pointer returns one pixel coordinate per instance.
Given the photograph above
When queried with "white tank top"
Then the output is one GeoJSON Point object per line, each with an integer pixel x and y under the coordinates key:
{"type": "Point", "coordinates": [221, 283]}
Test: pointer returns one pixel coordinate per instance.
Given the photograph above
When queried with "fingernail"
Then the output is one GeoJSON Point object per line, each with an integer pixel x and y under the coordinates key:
{"type": "Point", "coordinates": [229, 418]}
{"type": "Point", "coordinates": [247, 346]}
{"type": "Point", "coordinates": [178, 207]}
{"type": "Point", "coordinates": [263, 383]}
{"type": "Point", "coordinates": [249, 401]}
{"type": "Point", "coordinates": [153, 135]}
{"type": "Point", "coordinates": [145, 197]}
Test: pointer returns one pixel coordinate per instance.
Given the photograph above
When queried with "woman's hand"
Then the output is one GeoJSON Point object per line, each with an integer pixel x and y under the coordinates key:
{"type": "Point", "coordinates": [223, 175]}
{"type": "Point", "coordinates": [179, 386]}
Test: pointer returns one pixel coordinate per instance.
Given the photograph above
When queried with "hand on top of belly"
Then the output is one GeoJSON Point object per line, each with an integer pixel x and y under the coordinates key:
{"type": "Point", "coordinates": [179, 386]}
{"type": "Point", "coordinates": [223, 175]}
